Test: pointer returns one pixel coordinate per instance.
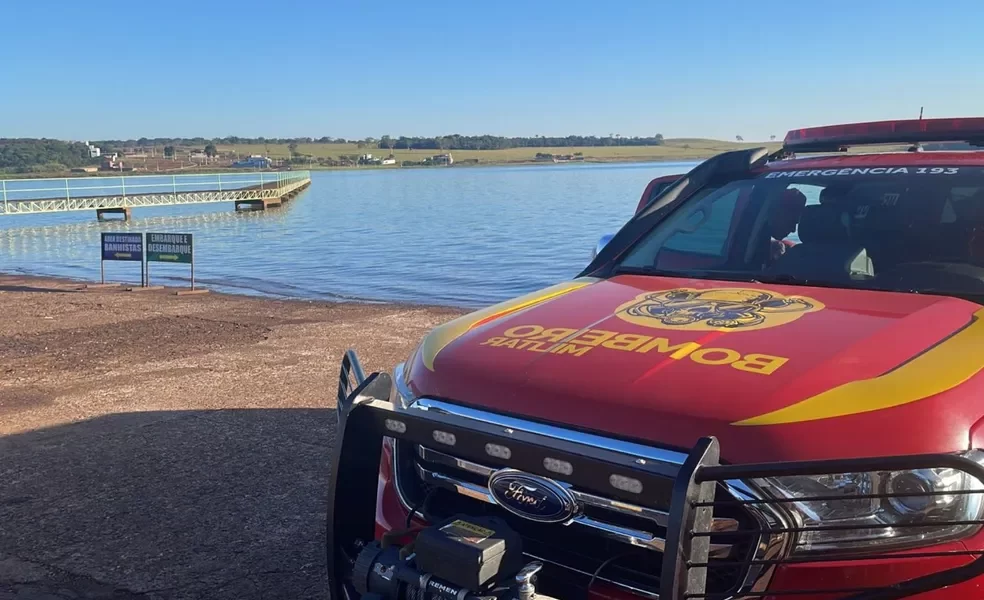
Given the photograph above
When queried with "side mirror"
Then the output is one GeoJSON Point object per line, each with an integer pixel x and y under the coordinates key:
{"type": "Point", "coordinates": [601, 244]}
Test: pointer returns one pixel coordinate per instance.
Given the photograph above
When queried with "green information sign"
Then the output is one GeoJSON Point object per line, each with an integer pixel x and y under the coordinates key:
{"type": "Point", "coordinates": [170, 247]}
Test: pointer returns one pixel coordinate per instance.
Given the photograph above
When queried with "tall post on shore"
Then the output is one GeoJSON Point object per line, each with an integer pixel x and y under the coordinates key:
{"type": "Point", "coordinates": [144, 270]}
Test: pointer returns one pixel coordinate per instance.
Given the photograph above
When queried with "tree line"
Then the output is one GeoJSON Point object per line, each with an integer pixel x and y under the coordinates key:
{"type": "Point", "coordinates": [493, 142]}
{"type": "Point", "coordinates": [37, 155]}
{"type": "Point", "coordinates": [28, 154]}
{"type": "Point", "coordinates": [443, 142]}
{"type": "Point", "coordinates": [201, 141]}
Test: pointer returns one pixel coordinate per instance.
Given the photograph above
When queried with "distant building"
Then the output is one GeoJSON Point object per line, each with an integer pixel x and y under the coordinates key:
{"type": "Point", "coordinates": [111, 164]}
{"type": "Point", "coordinates": [443, 159]}
{"type": "Point", "coordinates": [253, 162]}
{"type": "Point", "coordinates": [94, 151]}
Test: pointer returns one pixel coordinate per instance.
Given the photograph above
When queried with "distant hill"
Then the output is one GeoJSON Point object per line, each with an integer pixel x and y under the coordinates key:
{"type": "Point", "coordinates": [949, 146]}
{"type": "Point", "coordinates": [711, 143]}
{"type": "Point", "coordinates": [25, 156]}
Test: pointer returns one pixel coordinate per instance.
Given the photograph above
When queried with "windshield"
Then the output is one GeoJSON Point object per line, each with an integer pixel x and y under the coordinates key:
{"type": "Point", "coordinates": [915, 229]}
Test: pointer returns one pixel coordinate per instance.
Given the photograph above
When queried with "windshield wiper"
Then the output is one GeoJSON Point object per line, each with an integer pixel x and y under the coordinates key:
{"type": "Point", "coordinates": [627, 270]}
{"type": "Point", "coordinates": [738, 276]}
{"type": "Point", "coordinates": [787, 279]}
{"type": "Point", "coordinates": [782, 278]}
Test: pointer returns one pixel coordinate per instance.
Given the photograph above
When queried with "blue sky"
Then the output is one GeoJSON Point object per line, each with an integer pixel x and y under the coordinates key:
{"type": "Point", "coordinates": [716, 68]}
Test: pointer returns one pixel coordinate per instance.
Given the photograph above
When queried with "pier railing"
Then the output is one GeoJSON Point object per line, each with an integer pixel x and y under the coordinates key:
{"type": "Point", "coordinates": [25, 196]}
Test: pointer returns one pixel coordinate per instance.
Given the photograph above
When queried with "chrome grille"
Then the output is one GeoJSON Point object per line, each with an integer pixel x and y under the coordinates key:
{"type": "Point", "coordinates": [606, 526]}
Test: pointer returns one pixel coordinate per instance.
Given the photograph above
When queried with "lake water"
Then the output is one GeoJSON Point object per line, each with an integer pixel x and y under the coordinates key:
{"type": "Point", "coordinates": [460, 236]}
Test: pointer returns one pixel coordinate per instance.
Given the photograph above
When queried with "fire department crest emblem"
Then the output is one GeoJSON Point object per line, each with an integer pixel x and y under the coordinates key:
{"type": "Point", "coordinates": [716, 309]}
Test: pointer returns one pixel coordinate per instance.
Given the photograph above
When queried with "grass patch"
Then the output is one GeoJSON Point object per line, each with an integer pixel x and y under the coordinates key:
{"type": "Point", "coordinates": [683, 149]}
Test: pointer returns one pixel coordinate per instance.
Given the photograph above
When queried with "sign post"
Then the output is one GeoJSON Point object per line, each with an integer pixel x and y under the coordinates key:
{"type": "Point", "coordinates": [171, 248]}
{"type": "Point", "coordinates": [121, 246]}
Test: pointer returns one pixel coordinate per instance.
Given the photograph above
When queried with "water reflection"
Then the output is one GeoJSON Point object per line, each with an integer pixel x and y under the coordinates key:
{"type": "Point", "coordinates": [464, 237]}
{"type": "Point", "coordinates": [68, 240]}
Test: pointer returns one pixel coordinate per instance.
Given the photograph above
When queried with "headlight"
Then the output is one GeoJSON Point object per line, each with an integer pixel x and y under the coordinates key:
{"type": "Point", "coordinates": [401, 396]}
{"type": "Point", "coordinates": [842, 514]}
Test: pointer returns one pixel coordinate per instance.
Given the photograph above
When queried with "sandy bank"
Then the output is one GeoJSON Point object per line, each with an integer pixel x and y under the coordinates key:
{"type": "Point", "coordinates": [155, 446]}
{"type": "Point", "coordinates": [67, 355]}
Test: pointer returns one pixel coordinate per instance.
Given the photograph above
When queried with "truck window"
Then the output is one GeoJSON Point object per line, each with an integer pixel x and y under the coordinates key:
{"type": "Point", "coordinates": [916, 229]}
{"type": "Point", "coordinates": [711, 226]}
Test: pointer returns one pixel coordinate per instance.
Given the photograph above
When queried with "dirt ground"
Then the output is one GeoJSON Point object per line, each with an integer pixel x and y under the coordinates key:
{"type": "Point", "coordinates": [157, 446]}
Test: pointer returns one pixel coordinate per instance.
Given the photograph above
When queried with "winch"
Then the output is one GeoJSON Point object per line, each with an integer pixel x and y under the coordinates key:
{"type": "Point", "coordinates": [462, 558]}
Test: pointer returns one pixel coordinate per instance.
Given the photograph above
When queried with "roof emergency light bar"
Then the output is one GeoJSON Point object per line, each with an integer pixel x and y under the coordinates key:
{"type": "Point", "coordinates": [836, 138]}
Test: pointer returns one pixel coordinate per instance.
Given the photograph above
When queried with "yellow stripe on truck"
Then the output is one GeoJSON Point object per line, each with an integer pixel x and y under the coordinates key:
{"type": "Point", "coordinates": [941, 368]}
{"type": "Point", "coordinates": [443, 335]}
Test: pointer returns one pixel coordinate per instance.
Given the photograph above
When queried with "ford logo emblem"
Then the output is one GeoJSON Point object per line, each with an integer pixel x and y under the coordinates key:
{"type": "Point", "coordinates": [532, 497]}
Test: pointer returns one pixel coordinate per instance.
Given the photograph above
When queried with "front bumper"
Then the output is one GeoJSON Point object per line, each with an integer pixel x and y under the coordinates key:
{"type": "Point", "coordinates": [361, 471]}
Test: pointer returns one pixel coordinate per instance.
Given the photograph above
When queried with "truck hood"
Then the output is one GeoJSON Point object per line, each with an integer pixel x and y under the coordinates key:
{"type": "Point", "coordinates": [775, 372]}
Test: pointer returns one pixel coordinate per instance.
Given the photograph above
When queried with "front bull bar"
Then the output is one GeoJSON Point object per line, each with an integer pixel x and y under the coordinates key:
{"type": "Point", "coordinates": [366, 416]}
